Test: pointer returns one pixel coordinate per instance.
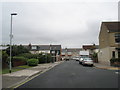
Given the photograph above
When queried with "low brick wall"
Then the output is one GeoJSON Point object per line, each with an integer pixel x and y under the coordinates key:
{"type": "Point", "coordinates": [116, 64]}
{"type": "Point", "coordinates": [4, 65]}
{"type": "Point", "coordinates": [18, 63]}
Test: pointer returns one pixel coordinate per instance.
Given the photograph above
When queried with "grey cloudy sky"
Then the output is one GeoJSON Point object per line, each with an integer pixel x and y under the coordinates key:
{"type": "Point", "coordinates": [69, 23]}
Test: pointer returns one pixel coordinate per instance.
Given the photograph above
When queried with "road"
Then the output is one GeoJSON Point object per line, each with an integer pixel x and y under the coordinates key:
{"type": "Point", "coordinates": [71, 74]}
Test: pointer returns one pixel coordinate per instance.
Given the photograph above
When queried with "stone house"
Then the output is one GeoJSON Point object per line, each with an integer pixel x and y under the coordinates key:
{"type": "Point", "coordinates": [109, 42]}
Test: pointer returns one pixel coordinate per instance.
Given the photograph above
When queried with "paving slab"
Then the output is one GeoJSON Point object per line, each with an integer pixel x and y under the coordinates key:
{"type": "Point", "coordinates": [8, 81]}
{"type": "Point", "coordinates": [103, 66]}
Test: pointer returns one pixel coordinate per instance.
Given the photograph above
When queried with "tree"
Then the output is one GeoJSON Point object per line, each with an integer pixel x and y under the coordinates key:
{"type": "Point", "coordinates": [95, 57]}
{"type": "Point", "coordinates": [4, 59]}
{"type": "Point", "coordinates": [16, 50]}
{"type": "Point", "coordinates": [4, 56]}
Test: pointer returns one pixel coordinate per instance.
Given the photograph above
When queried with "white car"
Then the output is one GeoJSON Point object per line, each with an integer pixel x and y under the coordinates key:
{"type": "Point", "coordinates": [76, 58]}
{"type": "Point", "coordinates": [87, 61]}
{"type": "Point", "coordinates": [80, 60]}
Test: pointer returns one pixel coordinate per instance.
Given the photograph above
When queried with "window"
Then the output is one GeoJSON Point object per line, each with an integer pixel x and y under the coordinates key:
{"type": "Point", "coordinates": [117, 37]}
{"type": "Point", "coordinates": [34, 47]}
{"type": "Point", "coordinates": [118, 54]}
{"type": "Point", "coordinates": [113, 54]}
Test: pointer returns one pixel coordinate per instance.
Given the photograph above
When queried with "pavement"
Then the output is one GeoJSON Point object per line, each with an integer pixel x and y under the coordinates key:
{"type": "Point", "coordinates": [13, 79]}
{"type": "Point", "coordinates": [108, 67]}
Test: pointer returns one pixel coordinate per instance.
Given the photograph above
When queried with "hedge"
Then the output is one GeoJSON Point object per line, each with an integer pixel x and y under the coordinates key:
{"type": "Point", "coordinates": [29, 55]}
{"type": "Point", "coordinates": [32, 62]}
{"type": "Point", "coordinates": [15, 58]}
{"type": "Point", "coordinates": [17, 61]}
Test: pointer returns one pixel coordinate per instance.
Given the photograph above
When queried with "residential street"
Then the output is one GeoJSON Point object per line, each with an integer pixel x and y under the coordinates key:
{"type": "Point", "coordinates": [71, 74]}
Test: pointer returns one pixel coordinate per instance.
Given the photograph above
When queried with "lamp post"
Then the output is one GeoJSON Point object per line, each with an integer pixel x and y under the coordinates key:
{"type": "Point", "coordinates": [11, 36]}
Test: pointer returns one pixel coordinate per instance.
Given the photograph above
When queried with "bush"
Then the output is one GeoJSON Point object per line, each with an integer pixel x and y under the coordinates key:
{"type": "Point", "coordinates": [41, 59]}
{"type": "Point", "coordinates": [29, 55]}
{"type": "Point", "coordinates": [115, 60]}
{"type": "Point", "coordinates": [17, 58]}
{"type": "Point", "coordinates": [18, 61]}
{"type": "Point", "coordinates": [44, 58]}
{"type": "Point", "coordinates": [49, 58]}
{"type": "Point", "coordinates": [4, 56]}
{"type": "Point", "coordinates": [16, 50]}
{"type": "Point", "coordinates": [32, 62]}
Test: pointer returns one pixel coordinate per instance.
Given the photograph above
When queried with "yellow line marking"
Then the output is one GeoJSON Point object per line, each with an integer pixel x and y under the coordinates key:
{"type": "Point", "coordinates": [32, 77]}
{"type": "Point", "coordinates": [28, 79]}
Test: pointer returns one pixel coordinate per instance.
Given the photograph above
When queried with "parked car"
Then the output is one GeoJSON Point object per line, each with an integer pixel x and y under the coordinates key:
{"type": "Point", "coordinates": [74, 58]}
{"type": "Point", "coordinates": [80, 60]}
{"type": "Point", "coordinates": [67, 59]}
{"type": "Point", "coordinates": [77, 58]}
{"type": "Point", "coordinates": [87, 61]}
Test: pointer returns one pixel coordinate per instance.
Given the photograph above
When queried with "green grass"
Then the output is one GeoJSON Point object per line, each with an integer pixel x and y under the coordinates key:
{"type": "Point", "coordinates": [14, 69]}
{"type": "Point", "coordinates": [0, 71]}
{"type": "Point", "coordinates": [5, 71]}
{"type": "Point", "coordinates": [25, 66]}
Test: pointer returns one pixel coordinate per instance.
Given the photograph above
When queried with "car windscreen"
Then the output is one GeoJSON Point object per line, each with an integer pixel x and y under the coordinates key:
{"type": "Point", "coordinates": [87, 59]}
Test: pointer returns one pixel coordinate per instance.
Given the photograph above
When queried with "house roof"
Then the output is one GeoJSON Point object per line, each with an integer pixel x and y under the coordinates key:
{"type": "Point", "coordinates": [87, 46]}
{"type": "Point", "coordinates": [55, 47]}
{"type": "Point", "coordinates": [45, 47]}
{"type": "Point", "coordinates": [90, 46]}
{"type": "Point", "coordinates": [112, 26]}
{"type": "Point", "coordinates": [72, 49]}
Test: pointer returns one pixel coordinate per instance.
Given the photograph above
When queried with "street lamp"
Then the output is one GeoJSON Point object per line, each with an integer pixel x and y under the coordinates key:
{"type": "Point", "coordinates": [11, 36]}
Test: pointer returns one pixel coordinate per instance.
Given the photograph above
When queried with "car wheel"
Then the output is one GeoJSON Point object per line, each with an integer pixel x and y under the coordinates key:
{"type": "Point", "coordinates": [91, 65]}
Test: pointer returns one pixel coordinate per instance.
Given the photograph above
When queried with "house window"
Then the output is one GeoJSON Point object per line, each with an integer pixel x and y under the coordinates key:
{"type": "Point", "coordinates": [113, 54]}
{"type": "Point", "coordinates": [117, 37]}
{"type": "Point", "coordinates": [34, 47]}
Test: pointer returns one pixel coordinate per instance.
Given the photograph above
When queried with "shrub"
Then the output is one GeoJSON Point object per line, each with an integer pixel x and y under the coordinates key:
{"type": "Point", "coordinates": [17, 58]}
{"type": "Point", "coordinates": [115, 60]}
{"type": "Point", "coordinates": [16, 50]}
{"type": "Point", "coordinates": [29, 55]}
{"type": "Point", "coordinates": [41, 59]}
{"type": "Point", "coordinates": [32, 62]}
{"type": "Point", "coordinates": [4, 56]}
{"type": "Point", "coordinates": [44, 58]}
{"type": "Point", "coordinates": [49, 58]}
{"type": "Point", "coordinates": [18, 61]}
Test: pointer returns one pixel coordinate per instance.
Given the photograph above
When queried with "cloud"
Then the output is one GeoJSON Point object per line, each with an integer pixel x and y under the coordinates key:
{"type": "Point", "coordinates": [68, 24]}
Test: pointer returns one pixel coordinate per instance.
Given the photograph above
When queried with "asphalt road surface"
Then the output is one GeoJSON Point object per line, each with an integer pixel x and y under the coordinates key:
{"type": "Point", "coordinates": [70, 74]}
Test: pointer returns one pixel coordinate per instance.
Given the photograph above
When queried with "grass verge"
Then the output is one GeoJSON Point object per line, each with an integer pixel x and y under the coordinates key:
{"type": "Point", "coordinates": [14, 69]}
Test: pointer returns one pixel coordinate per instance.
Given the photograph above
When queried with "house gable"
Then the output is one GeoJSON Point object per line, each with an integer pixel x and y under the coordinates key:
{"type": "Point", "coordinates": [103, 36]}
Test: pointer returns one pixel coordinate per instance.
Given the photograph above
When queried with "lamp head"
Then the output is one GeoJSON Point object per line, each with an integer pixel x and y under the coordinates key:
{"type": "Point", "coordinates": [13, 13]}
